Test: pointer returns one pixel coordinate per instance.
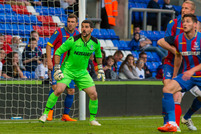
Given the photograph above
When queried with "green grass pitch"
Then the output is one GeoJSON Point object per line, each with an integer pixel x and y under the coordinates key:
{"type": "Point", "coordinates": [110, 125]}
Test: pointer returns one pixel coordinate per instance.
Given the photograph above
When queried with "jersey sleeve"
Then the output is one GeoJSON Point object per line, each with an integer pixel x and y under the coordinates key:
{"type": "Point", "coordinates": [53, 39]}
{"type": "Point", "coordinates": [169, 31]}
{"type": "Point", "coordinates": [65, 46]}
{"type": "Point", "coordinates": [98, 53]}
{"type": "Point", "coordinates": [170, 40]}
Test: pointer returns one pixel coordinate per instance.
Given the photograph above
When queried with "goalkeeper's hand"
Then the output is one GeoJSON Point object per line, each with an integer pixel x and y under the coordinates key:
{"type": "Point", "coordinates": [58, 75]}
{"type": "Point", "coordinates": [101, 73]}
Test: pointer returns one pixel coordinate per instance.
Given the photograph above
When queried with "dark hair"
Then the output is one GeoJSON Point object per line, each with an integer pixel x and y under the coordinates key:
{"type": "Point", "coordinates": [192, 16]}
{"type": "Point", "coordinates": [34, 32]}
{"type": "Point", "coordinates": [9, 57]}
{"type": "Point", "coordinates": [32, 39]}
{"type": "Point", "coordinates": [73, 16]}
{"type": "Point", "coordinates": [136, 34]}
{"type": "Point", "coordinates": [125, 61]}
{"type": "Point", "coordinates": [142, 53]}
{"type": "Point", "coordinates": [109, 57]}
{"type": "Point", "coordinates": [44, 56]}
{"type": "Point", "coordinates": [89, 22]}
{"type": "Point", "coordinates": [103, 58]}
{"type": "Point", "coordinates": [1, 34]}
{"type": "Point", "coordinates": [118, 52]}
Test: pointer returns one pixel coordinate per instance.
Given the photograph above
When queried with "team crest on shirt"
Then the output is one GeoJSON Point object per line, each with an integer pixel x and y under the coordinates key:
{"type": "Point", "coordinates": [92, 47]}
{"type": "Point", "coordinates": [78, 45]}
{"type": "Point", "coordinates": [168, 74]}
{"type": "Point", "coordinates": [196, 46]}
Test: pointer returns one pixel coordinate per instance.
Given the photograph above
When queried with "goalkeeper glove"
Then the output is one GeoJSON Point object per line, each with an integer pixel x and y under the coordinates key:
{"type": "Point", "coordinates": [101, 73]}
{"type": "Point", "coordinates": [58, 75]}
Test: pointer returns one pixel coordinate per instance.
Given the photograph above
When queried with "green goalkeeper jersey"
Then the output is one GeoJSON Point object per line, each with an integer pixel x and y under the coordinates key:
{"type": "Point", "coordinates": [79, 53]}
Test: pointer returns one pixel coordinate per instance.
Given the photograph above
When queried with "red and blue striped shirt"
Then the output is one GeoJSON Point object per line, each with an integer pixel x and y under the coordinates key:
{"type": "Point", "coordinates": [58, 38]}
{"type": "Point", "coordinates": [174, 28]}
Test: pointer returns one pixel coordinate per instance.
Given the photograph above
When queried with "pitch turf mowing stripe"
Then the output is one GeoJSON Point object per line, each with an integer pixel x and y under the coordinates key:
{"type": "Point", "coordinates": [129, 83]}
{"type": "Point", "coordinates": [22, 82]}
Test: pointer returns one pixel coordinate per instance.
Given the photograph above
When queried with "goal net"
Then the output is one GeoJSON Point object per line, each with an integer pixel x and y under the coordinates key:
{"type": "Point", "coordinates": [20, 97]}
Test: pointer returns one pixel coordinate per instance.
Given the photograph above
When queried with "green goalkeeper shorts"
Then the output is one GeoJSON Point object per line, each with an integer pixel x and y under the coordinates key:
{"type": "Point", "coordinates": [83, 80]}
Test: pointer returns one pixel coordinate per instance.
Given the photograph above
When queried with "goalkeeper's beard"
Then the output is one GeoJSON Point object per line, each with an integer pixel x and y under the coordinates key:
{"type": "Point", "coordinates": [84, 34]}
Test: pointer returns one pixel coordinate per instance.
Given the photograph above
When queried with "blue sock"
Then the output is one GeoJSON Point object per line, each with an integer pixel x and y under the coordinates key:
{"type": "Point", "coordinates": [168, 105]}
{"type": "Point", "coordinates": [50, 92]}
{"type": "Point", "coordinates": [194, 107]}
{"type": "Point", "coordinates": [165, 116]}
{"type": "Point", "coordinates": [68, 103]}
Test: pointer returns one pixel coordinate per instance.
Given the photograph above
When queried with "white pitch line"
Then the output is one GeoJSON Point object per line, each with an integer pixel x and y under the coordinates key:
{"type": "Point", "coordinates": [134, 118]}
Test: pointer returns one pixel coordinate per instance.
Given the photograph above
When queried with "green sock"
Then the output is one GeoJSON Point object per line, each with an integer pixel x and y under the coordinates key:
{"type": "Point", "coordinates": [50, 103]}
{"type": "Point", "coordinates": [93, 108]}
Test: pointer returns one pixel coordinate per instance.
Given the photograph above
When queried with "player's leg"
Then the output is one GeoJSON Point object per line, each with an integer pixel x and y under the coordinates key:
{"type": "Point", "coordinates": [93, 104]}
{"type": "Point", "coordinates": [86, 83]}
{"type": "Point", "coordinates": [68, 102]}
{"type": "Point", "coordinates": [168, 73]}
{"type": "Point", "coordinates": [194, 107]}
{"type": "Point", "coordinates": [54, 83]}
{"type": "Point", "coordinates": [61, 86]}
{"type": "Point", "coordinates": [52, 100]}
{"type": "Point", "coordinates": [177, 101]}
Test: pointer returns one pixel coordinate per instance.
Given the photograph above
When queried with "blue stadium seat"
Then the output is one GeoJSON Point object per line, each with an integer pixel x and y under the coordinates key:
{"type": "Point", "coordinates": [20, 18]}
{"type": "Point", "coordinates": [46, 40]}
{"type": "Point", "coordinates": [149, 56]}
{"type": "Point", "coordinates": [15, 29]}
{"type": "Point", "coordinates": [149, 65]}
{"type": "Point", "coordinates": [52, 11]}
{"type": "Point", "coordinates": [40, 41]}
{"type": "Point", "coordinates": [8, 18]}
{"type": "Point", "coordinates": [21, 29]}
{"type": "Point", "coordinates": [27, 19]}
{"type": "Point", "coordinates": [27, 74]}
{"type": "Point", "coordinates": [2, 18]}
{"type": "Point", "coordinates": [59, 11]}
{"type": "Point", "coordinates": [116, 43]}
{"type": "Point", "coordinates": [28, 29]}
{"type": "Point", "coordinates": [39, 10]}
{"type": "Point", "coordinates": [45, 10]}
{"type": "Point", "coordinates": [156, 57]}
{"type": "Point", "coordinates": [8, 8]}
{"type": "Point", "coordinates": [154, 74]}
{"type": "Point", "coordinates": [8, 29]}
{"type": "Point", "coordinates": [1, 8]}
{"type": "Point", "coordinates": [2, 28]}
{"type": "Point", "coordinates": [123, 45]}
{"type": "Point", "coordinates": [135, 54]}
{"type": "Point", "coordinates": [96, 33]}
{"type": "Point", "coordinates": [112, 34]}
{"type": "Point", "coordinates": [34, 20]}
{"type": "Point", "coordinates": [104, 34]}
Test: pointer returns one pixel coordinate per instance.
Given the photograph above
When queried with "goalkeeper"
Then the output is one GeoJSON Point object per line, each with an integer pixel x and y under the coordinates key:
{"type": "Point", "coordinates": [74, 67]}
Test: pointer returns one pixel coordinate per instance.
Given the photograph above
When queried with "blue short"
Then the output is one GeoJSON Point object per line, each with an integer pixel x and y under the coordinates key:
{"type": "Point", "coordinates": [54, 82]}
{"type": "Point", "coordinates": [168, 71]}
{"type": "Point", "coordinates": [186, 85]}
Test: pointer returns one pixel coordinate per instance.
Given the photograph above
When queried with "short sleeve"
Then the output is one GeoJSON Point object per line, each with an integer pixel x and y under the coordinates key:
{"type": "Point", "coordinates": [98, 53]}
{"type": "Point", "coordinates": [170, 40]}
{"type": "Point", "coordinates": [169, 31]}
{"type": "Point", "coordinates": [53, 39]}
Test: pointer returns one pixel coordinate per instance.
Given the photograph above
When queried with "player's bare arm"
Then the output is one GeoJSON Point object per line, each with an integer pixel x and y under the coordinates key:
{"type": "Point", "coordinates": [49, 60]}
{"type": "Point", "coordinates": [177, 63]}
{"type": "Point", "coordinates": [187, 75]}
{"type": "Point", "coordinates": [166, 45]}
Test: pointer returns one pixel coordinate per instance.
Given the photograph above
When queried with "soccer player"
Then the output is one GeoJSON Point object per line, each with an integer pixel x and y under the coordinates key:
{"type": "Point", "coordinates": [174, 28]}
{"type": "Point", "coordinates": [74, 67]}
{"type": "Point", "coordinates": [187, 49]}
{"type": "Point", "coordinates": [59, 37]}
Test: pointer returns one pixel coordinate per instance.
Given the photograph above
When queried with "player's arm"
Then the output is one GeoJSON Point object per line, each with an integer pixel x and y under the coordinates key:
{"type": "Point", "coordinates": [49, 60]}
{"type": "Point", "coordinates": [167, 43]}
{"type": "Point", "coordinates": [58, 75]}
{"type": "Point", "coordinates": [52, 41]}
{"type": "Point", "coordinates": [170, 30]}
{"type": "Point", "coordinates": [98, 55]}
{"type": "Point", "coordinates": [177, 63]}
{"type": "Point", "coordinates": [187, 75]}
